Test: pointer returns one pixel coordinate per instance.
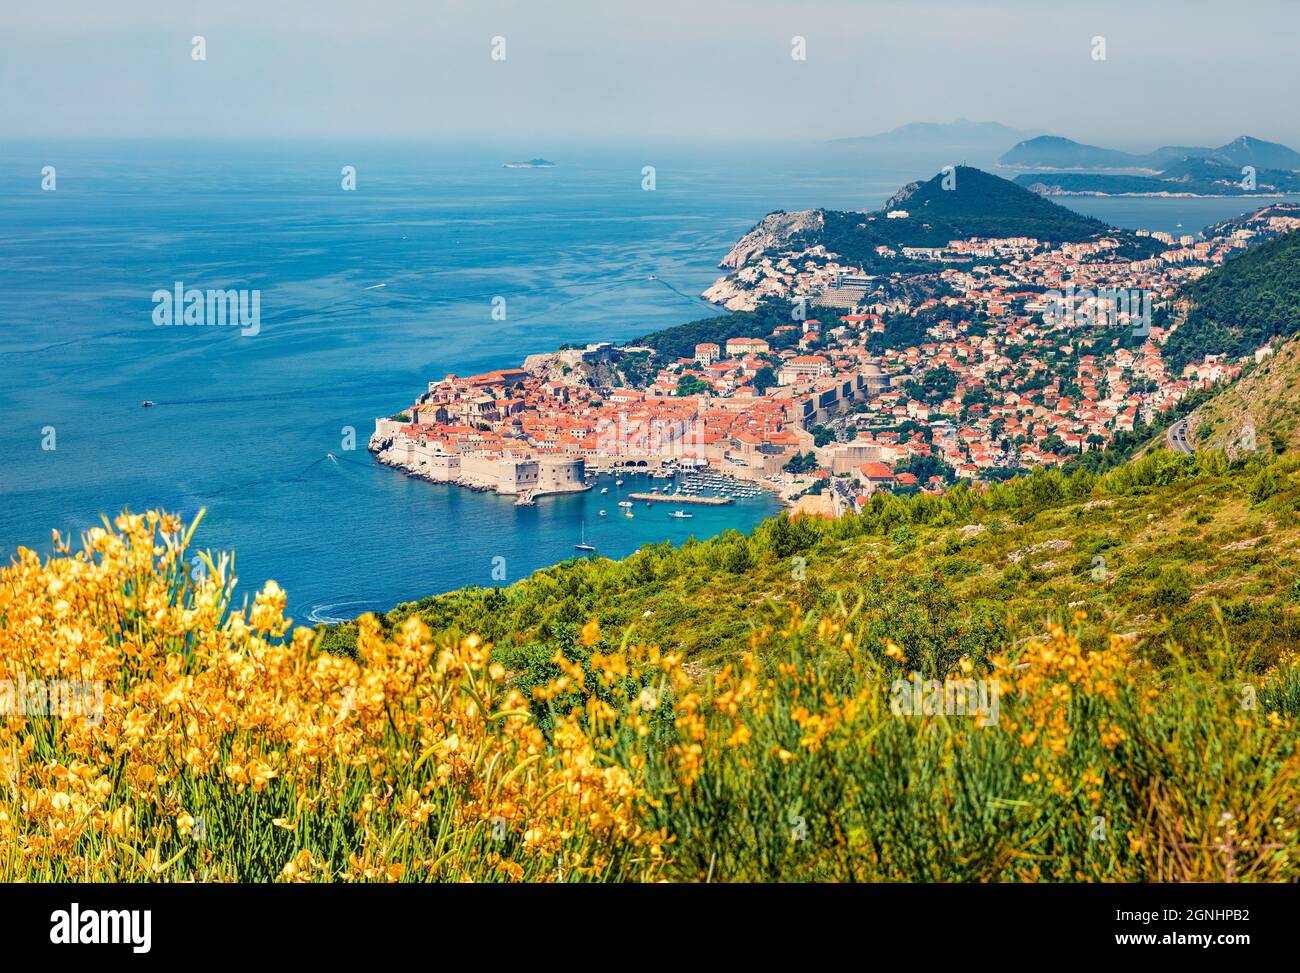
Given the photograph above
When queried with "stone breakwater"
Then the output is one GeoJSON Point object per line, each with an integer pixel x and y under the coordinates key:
{"type": "Point", "coordinates": [677, 498]}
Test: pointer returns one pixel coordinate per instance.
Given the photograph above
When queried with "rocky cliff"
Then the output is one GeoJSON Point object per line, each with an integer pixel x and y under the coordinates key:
{"type": "Point", "coordinates": [773, 231]}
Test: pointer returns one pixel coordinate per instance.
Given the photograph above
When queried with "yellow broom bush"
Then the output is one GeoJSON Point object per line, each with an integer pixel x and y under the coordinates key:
{"type": "Point", "coordinates": [224, 746]}
{"type": "Point", "coordinates": [226, 750]}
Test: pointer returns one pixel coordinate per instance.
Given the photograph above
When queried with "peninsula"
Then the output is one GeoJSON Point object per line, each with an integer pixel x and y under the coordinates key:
{"type": "Point", "coordinates": [969, 330]}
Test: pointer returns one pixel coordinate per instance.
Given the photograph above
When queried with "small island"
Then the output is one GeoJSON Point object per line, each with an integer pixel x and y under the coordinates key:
{"type": "Point", "coordinates": [530, 164]}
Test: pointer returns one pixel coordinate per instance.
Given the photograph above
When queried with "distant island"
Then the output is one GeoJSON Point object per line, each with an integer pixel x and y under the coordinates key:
{"type": "Point", "coordinates": [1243, 167]}
{"type": "Point", "coordinates": [530, 164]}
{"type": "Point", "coordinates": [961, 133]}
{"type": "Point", "coordinates": [1055, 152]}
{"type": "Point", "coordinates": [1188, 177]}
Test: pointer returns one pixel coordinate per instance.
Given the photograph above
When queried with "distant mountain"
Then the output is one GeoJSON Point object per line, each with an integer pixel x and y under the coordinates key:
{"type": "Point", "coordinates": [979, 204]}
{"type": "Point", "coordinates": [1246, 151]}
{"type": "Point", "coordinates": [1055, 152]}
{"type": "Point", "coordinates": [959, 134]}
{"type": "Point", "coordinates": [1241, 305]}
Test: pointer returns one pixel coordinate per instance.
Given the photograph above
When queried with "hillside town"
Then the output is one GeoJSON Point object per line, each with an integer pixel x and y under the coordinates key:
{"type": "Point", "coordinates": [1024, 354]}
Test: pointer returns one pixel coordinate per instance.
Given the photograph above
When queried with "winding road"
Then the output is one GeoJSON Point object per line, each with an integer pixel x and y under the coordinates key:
{"type": "Point", "coordinates": [1178, 439]}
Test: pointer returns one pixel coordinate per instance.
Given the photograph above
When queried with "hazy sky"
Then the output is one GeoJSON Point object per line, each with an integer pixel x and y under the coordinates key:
{"type": "Point", "coordinates": [1176, 72]}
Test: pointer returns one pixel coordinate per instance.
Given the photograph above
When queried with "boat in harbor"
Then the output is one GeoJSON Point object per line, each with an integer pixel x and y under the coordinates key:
{"type": "Point", "coordinates": [147, 404]}
{"type": "Point", "coordinates": [582, 544]}
{"type": "Point", "coordinates": [604, 489]}
{"type": "Point", "coordinates": [602, 513]}
{"type": "Point", "coordinates": [681, 515]}
{"type": "Point", "coordinates": [629, 513]}
{"type": "Point", "coordinates": [618, 483]}
{"type": "Point", "coordinates": [625, 503]}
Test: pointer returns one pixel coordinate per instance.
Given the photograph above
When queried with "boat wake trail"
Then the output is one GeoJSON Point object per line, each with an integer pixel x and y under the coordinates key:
{"type": "Point", "coordinates": [336, 612]}
{"type": "Point", "coordinates": [683, 294]}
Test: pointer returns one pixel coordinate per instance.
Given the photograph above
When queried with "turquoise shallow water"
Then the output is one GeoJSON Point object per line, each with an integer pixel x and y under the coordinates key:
{"type": "Point", "coordinates": [243, 424]}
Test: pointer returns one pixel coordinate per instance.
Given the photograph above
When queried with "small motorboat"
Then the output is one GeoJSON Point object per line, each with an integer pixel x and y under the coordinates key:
{"type": "Point", "coordinates": [147, 404]}
{"type": "Point", "coordinates": [625, 503]}
{"type": "Point", "coordinates": [681, 515]}
{"type": "Point", "coordinates": [618, 483]}
{"type": "Point", "coordinates": [629, 515]}
{"type": "Point", "coordinates": [604, 489]}
{"type": "Point", "coordinates": [602, 513]}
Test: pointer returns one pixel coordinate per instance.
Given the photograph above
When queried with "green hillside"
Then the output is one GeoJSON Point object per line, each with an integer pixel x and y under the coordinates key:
{"type": "Point", "coordinates": [1137, 629]}
{"type": "Point", "coordinates": [1197, 551]}
{"type": "Point", "coordinates": [1259, 411]}
{"type": "Point", "coordinates": [1236, 308]}
{"type": "Point", "coordinates": [978, 205]}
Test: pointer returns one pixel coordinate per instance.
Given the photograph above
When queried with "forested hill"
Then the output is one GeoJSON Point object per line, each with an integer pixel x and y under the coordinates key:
{"type": "Point", "coordinates": [977, 205]}
{"type": "Point", "coordinates": [955, 204]}
{"type": "Point", "coordinates": [1252, 298]}
{"type": "Point", "coordinates": [1194, 550]}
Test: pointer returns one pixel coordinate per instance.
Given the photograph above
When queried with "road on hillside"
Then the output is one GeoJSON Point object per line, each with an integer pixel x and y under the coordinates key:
{"type": "Point", "coordinates": [1178, 440]}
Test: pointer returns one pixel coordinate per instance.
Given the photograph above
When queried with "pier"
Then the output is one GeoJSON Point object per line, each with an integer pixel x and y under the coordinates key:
{"type": "Point", "coordinates": [678, 498]}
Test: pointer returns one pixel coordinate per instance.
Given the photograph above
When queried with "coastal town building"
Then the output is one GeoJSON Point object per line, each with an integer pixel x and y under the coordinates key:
{"type": "Point", "coordinates": [997, 372]}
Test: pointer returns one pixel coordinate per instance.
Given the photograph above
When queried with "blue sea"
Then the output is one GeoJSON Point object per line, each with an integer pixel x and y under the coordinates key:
{"type": "Point", "coordinates": [366, 296]}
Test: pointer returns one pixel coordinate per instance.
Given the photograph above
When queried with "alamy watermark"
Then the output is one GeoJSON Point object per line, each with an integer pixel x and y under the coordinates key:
{"type": "Point", "coordinates": [1111, 306]}
{"type": "Point", "coordinates": [976, 698]}
{"type": "Point", "coordinates": [664, 438]}
{"type": "Point", "coordinates": [235, 308]}
{"type": "Point", "coordinates": [64, 698]}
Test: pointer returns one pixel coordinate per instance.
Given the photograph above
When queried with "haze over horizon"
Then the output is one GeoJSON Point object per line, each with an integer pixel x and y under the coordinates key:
{"type": "Point", "coordinates": [1174, 73]}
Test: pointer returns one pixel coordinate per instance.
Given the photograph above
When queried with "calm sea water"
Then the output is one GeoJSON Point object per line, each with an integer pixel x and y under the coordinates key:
{"type": "Point", "coordinates": [365, 297]}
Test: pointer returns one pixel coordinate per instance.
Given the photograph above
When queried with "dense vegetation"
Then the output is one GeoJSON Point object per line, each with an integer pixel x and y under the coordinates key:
{"type": "Point", "coordinates": [756, 732]}
{"type": "Point", "coordinates": [1238, 307]}
{"type": "Point", "coordinates": [959, 560]}
{"type": "Point", "coordinates": [680, 340]}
